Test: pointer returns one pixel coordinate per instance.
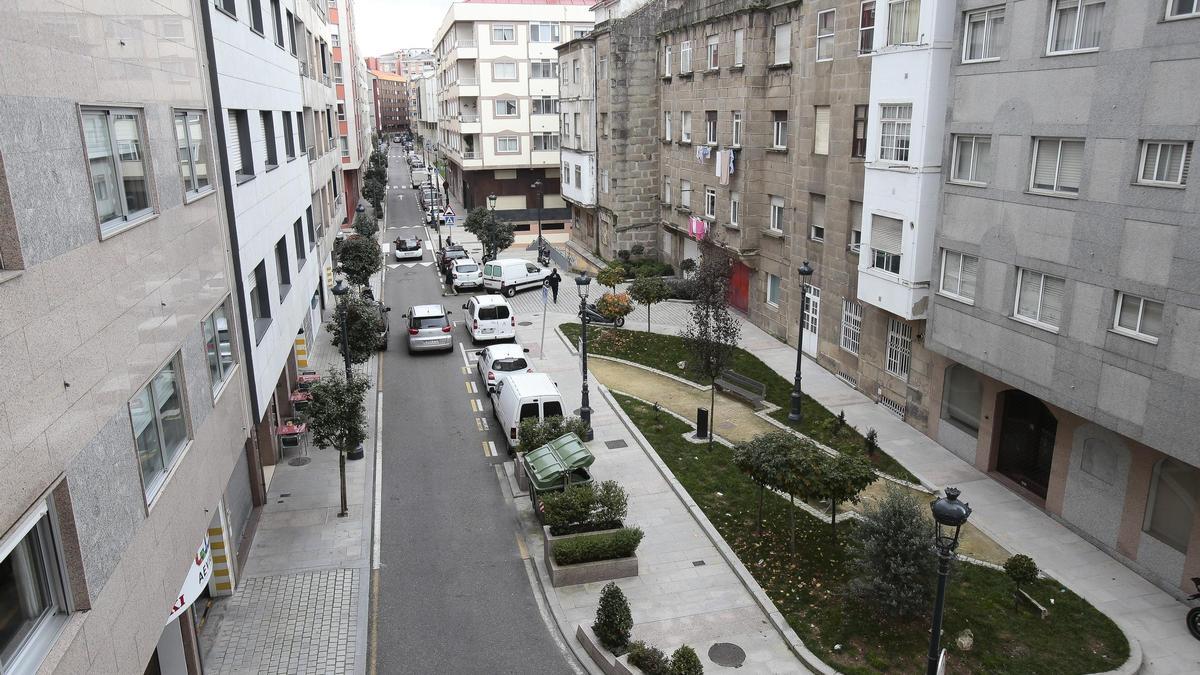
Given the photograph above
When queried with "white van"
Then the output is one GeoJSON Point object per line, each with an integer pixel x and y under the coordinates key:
{"type": "Point", "coordinates": [523, 396]}
{"type": "Point", "coordinates": [419, 176]}
{"type": "Point", "coordinates": [490, 318]}
{"type": "Point", "coordinates": [509, 275]}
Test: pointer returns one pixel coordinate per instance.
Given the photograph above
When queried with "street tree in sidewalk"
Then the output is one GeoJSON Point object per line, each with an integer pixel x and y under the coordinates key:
{"type": "Point", "coordinates": [359, 258]}
{"type": "Point", "coordinates": [494, 234]}
{"type": "Point", "coordinates": [365, 225]}
{"type": "Point", "coordinates": [761, 458]}
{"type": "Point", "coordinates": [648, 291]}
{"type": "Point", "coordinates": [337, 418]}
{"type": "Point", "coordinates": [611, 276]}
{"type": "Point", "coordinates": [363, 322]}
{"type": "Point", "coordinates": [712, 332]}
{"type": "Point", "coordinates": [374, 191]}
{"type": "Point", "coordinates": [842, 478]}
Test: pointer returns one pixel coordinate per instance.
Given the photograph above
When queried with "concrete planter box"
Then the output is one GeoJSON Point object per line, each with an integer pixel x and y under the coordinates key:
{"type": "Point", "coordinates": [609, 664]}
{"type": "Point", "coordinates": [522, 477]}
{"type": "Point", "coordinates": [583, 573]}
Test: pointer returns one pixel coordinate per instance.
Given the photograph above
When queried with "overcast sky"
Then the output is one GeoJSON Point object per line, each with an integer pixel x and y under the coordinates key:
{"type": "Point", "coordinates": [387, 25]}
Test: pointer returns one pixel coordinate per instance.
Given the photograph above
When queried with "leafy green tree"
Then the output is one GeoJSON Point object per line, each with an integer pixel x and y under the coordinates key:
{"type": "Point", "coordinates": [336, 418]}
{"type": "Point", "coordinates": [893, 562]}
{"type": "Point", "coordinates": [374, 191]}
{"type": "Point", "coordinates": [761, 459]}
{"type": "Point", "coordinates": [364, 324]}
{"type": "Point", "coordinates": [648, 291]}
{"type": "Point", "coordinates": [842, 478]}
{"type": "Point", "coordinates": [712, 332]}
{"type": "Point", "coordinates": [612, 275]}
{"type": "Point", "coordinates": [1021, 570]}
{"type": "Point", "coordinates": [684, 661]}
{"type": "Point", "coordinates": [614, 621]}
{"type": "Point", "coordinates": [495, 235]}
{"type": "Point", "coordinates": [365, 225]}
{"type": "Point", "coordinates": [359, 258]}
{"type": "Point", "coordinates": [687, 266]}
{"type": "Point", "coordinates": [799, 474]}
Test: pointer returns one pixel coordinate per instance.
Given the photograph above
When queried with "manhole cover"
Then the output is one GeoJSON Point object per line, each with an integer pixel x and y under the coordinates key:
{"type": "Point", "coordinates": [524, 323]}
{"type": "Point", "coordinates": [299, 461]}
{"type": "Point", "coordinates": [613, 445]}
{"type": "Point", "coordinates": [727, 654]}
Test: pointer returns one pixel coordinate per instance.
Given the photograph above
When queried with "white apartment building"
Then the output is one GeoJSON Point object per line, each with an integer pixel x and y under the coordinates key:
{"type": "Point", "coordinates": [498, 104]}
{"type": "Point", "coordinates": [577, 144]}
{"type": "Point", "coordinates": [423, 116]}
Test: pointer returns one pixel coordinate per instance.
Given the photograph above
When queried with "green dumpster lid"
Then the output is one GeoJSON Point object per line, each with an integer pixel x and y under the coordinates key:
{"type": "Point", "coordinates": [549, 464]}
{"type": "Point", "coordinates": [571, 450]}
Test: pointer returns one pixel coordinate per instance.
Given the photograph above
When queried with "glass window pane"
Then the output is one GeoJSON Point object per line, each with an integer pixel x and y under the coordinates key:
{"type": "Point", "coordinates": [983, 150]}
{"type": "Point", "coordinates": [133, 166]}
{"type": "Point", "coordinates": [1127, 314]}
{"type": "Point", "coordinates": [104, 170]}
{"type": "Point", "coordinates": [963, 157]}
{"type": "Point", "coordinates": [1089, 27]}
{"type": "Point", "coordinates": [184, 152]}
{"type": "Point", "coordinates": [975, 36]}
{"type": "Point", "coordinates": [211, 352]}
{"type": "Point", "coordinates": [1064, 28]}
{"type": "Point", "coordinates": [1151, 318]}
{"type": "Point", "coordinates": [1176, 488]}
{"type": "Point", "coordinates": [951, 279]}
{"type": "Point", "coordinates": [1053, 290]}
{"type": "Point", "coordinates": [199, 147]}
{"type": "Point", "coordinates": [145, 434]}
{"type": "Point", "coordinates": [169, 401]}
{"type": "Point", "coordinates": [25, 597]}
{"type": "Point", "coordinates": [1027, 303]}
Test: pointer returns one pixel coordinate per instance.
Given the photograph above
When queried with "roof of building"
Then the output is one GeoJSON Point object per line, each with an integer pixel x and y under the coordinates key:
{"type": "Point", "coordinates": [384, 75]}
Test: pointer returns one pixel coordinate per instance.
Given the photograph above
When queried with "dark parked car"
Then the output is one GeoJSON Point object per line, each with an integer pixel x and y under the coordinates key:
{"type": "Point", "coordinates": [383, 318]}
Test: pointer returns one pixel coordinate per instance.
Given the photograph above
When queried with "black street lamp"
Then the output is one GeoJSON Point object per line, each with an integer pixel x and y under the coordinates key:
{"type": "Point", "coordinates": [537, 185]}
{"type": "Point", "coordinates": [796, 415]}
{"type": "Point", "coordinates": [488, 253]}
{"type": "Point", "coordinates": [950, 515]}
{"type": "Point", "coordinates": [585, 411]}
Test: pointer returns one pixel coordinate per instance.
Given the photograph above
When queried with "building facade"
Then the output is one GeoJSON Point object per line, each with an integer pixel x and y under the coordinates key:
{"type": "Point", "coordinates": [353, 136]}
{"type": "Point", "coordinates": [1065, 297]}
{"type": "Point", "coordinates": [577, 130]}
{"type": "Point", "coordinates": [498, 106]}
{"type": "Point", "coordinates": [390, 96]}
{"type": "Point", "coordinates": [424, 117]}
{"type": "Point", "coordinates": [123, 407]}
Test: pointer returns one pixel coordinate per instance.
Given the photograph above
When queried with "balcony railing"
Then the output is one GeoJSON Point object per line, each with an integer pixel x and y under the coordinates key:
{"type": "Point", "coordinates": [468, 119]}
{"type": "Point", "coordinates": [468, 82]}
{"type": "Point", "coordinates": [470, 154]}
{"type": "Point", "coordinates": [464, 42]}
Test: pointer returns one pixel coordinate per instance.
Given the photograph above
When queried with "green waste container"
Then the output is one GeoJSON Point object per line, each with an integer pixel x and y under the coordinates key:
{"type": "Point", "coordinates": [555, 465]}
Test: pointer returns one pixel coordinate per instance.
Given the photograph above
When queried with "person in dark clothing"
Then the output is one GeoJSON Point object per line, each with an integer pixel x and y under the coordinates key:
{"type": "Point", "coordinates": [553, 280]}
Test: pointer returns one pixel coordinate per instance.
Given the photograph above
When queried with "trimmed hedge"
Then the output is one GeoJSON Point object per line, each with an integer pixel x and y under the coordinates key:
{"type": "Point", "coordinates": [591, 548]}
{"type": "Point", "coordinates": [650, 659]}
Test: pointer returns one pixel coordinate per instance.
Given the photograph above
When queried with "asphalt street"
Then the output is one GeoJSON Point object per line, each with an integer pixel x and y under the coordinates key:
{"type": "Point", "coordinates": [454, 595]}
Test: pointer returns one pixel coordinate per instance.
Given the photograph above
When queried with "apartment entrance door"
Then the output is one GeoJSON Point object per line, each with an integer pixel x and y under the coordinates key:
{"type": "Point", "coordinates": [1027, 432]}
{"type": "Point", "coordinates": [812, 317]}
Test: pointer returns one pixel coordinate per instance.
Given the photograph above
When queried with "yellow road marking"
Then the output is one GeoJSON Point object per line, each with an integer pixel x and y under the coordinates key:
{"type": "Point", "coordinates": [521, 547]}
{"type": "Point", "coordinates": [486, 450]}
{"type": "Point", "coordinates": [475, 405]}
{"type": "Point", "coordinates": [466, 370]}
{"type": "Point", "coordinates": [479, 423]}
{"type": "Point", "coordinates": [468, 386]}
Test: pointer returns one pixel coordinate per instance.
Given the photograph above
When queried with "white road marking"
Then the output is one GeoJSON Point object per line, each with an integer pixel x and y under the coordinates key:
{"type": "Point", "coordinates": [378, 514]}
{"type": "Point", "coordinates": [461, 348]}
{"type": "Point", "coordinates": [428, 245]}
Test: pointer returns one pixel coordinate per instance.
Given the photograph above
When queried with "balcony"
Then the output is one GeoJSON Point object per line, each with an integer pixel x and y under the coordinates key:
{"type": "Point", "coordinates": [470, 154]}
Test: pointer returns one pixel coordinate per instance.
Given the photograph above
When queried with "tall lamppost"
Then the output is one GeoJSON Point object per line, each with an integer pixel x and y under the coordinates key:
{"type": "Point", "coordinates": [537, 185]}
{"type": "Point", "coordinates": [950, 515]}
{"type": "Point", "coordinates": [585, 411]}
{"type": "Point", "coordinates": [795, 414]}
{"type": "Point", "coordinates": [342, 291]}
{"type": "Point", "coordinates": [491, 199]}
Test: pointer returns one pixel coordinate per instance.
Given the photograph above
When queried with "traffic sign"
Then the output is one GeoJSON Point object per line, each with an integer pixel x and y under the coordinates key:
{"type": "Point", "coordinates": [450, 211]}
{"type": "Point", "coordinates": [450, 219]}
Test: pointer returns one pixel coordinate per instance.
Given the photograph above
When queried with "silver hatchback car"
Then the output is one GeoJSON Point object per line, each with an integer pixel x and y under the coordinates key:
{"type": "Point", "coordinates": [429, 328]}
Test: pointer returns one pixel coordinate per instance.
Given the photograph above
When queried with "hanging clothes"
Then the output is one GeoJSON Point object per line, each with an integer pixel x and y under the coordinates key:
{"type": "Point", "coordinates": [697, 227]}
{"type": "Point", "coordinates": [731, 162]}
{"type": "Point", "coordinates": [722, 167]}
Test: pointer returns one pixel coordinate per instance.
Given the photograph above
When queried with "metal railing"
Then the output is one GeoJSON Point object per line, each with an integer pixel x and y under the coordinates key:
{"type": "Point", "coordinates": [468, 118]}
{"type": "Point", "coordinates": [470, 154]}
{"type": "Point", "coordinates": [464, 42]}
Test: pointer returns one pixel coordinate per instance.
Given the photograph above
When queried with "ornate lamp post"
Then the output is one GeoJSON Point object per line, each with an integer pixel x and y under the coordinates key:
{"type": "Point", "coordinates": [537, 185]}
{"type": "Point", "coordinates": [950, 515]}
{"type": "Point", "coordinates": [491, 200]}
{"type": "Point", "coordinates": [582, 282]}
{"type": "Point", "coordinates": [795, 414]}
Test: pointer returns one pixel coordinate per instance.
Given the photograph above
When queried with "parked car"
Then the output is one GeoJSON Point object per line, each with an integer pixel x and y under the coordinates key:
{"type": "Point", "coordinates": [383, 319]}
{"type": "Point", "coordinates": [465, 273]}
{"type": "Point", "coordinates": [448, 254]}
{"type": "Point", "coordinates": [396, 138]}
{"type": "Point", "coordinates": [489, 318]}
{"type": "Point", "coordinates": [429, 328]}
{"type": "Point", "coordinates": [408, 248]}
{"type": "Point", "coordinates": [523, 396]}
{"type": "Point", "coordinates": [418, 178]}
{"type": "Point", "coordinates": [497, 362]}
{"type": "Point", "coordinates": [509, 275]}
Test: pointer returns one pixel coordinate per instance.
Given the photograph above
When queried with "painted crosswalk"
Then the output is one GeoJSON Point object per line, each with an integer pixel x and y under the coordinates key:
{"type": "Point", "coordinates": [410, 265]}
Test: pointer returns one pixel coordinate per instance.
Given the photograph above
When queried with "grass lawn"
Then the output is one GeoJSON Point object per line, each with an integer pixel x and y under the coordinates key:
{"type": "Point", "coordinates": [664, 352]}
{"type": "Point", "coordinates": [806, 587]}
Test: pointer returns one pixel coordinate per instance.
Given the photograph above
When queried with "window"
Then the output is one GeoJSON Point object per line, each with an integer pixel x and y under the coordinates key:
{"type": "Point", "coordinates": [31, 583]}
{"type": "Point", "coordinates": [218, 343]}
{"type": "Point", "coordinates": [779, 129]}
{"type": "Point", "coordinates": [685, 122]}
{"type": "Point", "coordinates": [566, 124]}
{"type": "Point", "coordinates": [895, 126]}
{"type": "Point", "coordinates": [575, 70]}
{"type": "Point", "coordinates": [739, 46]}
{"type": "Point", "coordinates": [337, 73]}
{"type": "Point", "coordinates": [710, 127]}
{"type": "Point", "coordinates": [543, 32]}
{"type": "Point", "coordinates": [260, 299]}
{"type": "Point", "coordinates": [816, 217]}
{"type": "Point", "coordinates": [602, 68]}
{"type": "Point", "coordinates": [298, 240]}
{"type": "Point", "coordinates": [308, 222]}
{"type": "Point", "coordinates": [886, 238]}
{"type": "Point", "coordinates": [1183, 9]}
{"type": "Point", "coordinates": [506, 107]}
{"type": "Point", "coordinates": [335, 40]}
{"type": "Point", "coordinates": [508, 144]}
{"type": "Point", "coordinates": [1075, 25]}
{"type": "Point", "coordinates": [904, 18]}
{"type": "Point", "coordinates": [685, 193]}
{"type": "Point", "coordinates": [855, 216]}
{"type": "Point", "coordinates": [545, 141]}
{"type": "Point", "coordinates": [1171, 504]}
{"type": "Point", "coordinates": [341, 107]}
{"type": "Point", "coordinates": [282, 269]}
{"type": "Point", "coordinates": [825, 35]}
{"type": "Point", "coordinates": [578, 32]}
{"type": "Point", "coordinates": [711, 52]}
{"type": "Point", "coordinates": [502, 32]}
{"type": "Point", "coordinates": [1164, 163]}
{"type": "Point", "coordinates": [774, 285]}
{"type": "Point", "coordinates": [289, 142]}
{"type": "Point", "coordinates": [228, 6]}
{"type": "Point", "coordinates": [300, 130]}
{"type": "Point", "coordinates": [685, 57]}
{"type": "Point", "coordinates": [783, 44]}
{"type": "Point", "coordinates": [116, 159]}
{"type": "Point", "coordinates": [852, 313]}
{"type": "Point", "coordinates": [191, 130]}
{"type": "Point", "coordinates": [604, 184]}
{"type": "Point", "coordinates": [604, 130]}
{"type": "Point", "coordinates": [859, 147]}
{"type": "Point", "coordinates": [159, 427]}
{"type": "Point", "coordinates": [776, 223]}
{"type": "Point", "coordinates": [1057, 165]}
{"type": "Point", "coordinates": [256, 20]}
{"type": "Point", "coordinates": [277, 22]}
{"type": "Point", "coordinates": [972, 160]}
{"type": "Point", "coordinates": [981, 39]}
{"type": "Point", "coordinates": [821, 130]}
{"type": "Point", "coordinates": [899, 347]}
{"type": "Point", "coordinates": [544, 69]}
{"type": "Point", "coordinates": [666, 61]}
{"type": "Point", "coordinates": [268, 128]}
{"type": "Point", "coordinates": [1039, 298]}
{"type": "Point", "coordinates": [667, 126]}
{"type": "Point", "coordinates": [1138, 316]}
{"type": "Point", "coordinates": [958, 275]}
{"type": "Point", "coordinates": [240, 155]}
{"type": "Point", "coordinates": [710, 202]}
{"type": "Point", "coordinates": [578, 176]}
{"type": "Point", "coordinates": [578, 129]}
{"type": "Point", "coordinates": [866, 27]}
{"type": "Point", "coordinates": [504, 70]}
{"type": "Point", "coordinates": [735, 208]}
{"type": "Point", "coordinates": [962, 398]}
{"type": "Point", "coordinates": [737, 128]}
{"type": "Point", "coordinates": [666, 190]}
{"type": "Point", "coordinates": [344, 146]}
{"type": "Point", "coordinates": [291, 31]}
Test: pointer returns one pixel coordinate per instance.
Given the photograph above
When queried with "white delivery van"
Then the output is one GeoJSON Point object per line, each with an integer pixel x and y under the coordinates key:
{"type": "Point", "coordinates": [524, 396]}
{"type": "Point", "coordinates": [509, 275]}
{"type": "Point", "coordinates": [419, 176]}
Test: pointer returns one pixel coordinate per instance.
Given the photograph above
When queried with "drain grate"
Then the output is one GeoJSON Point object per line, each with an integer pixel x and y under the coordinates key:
{"type": "Point", "coordinates": [727, 654]}
{"type": "Point", "coordinates": [524, 323]}
{"type": "Point", "coordinates": [613, 445]}
{"type": "Point", "coordinates": [698, 563]}
{"type": "Point", "coordinates": [299, 461]}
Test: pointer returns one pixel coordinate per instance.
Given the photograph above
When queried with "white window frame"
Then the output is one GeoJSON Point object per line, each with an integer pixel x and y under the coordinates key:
{"type": "Point", "coordinates": [774, 302]}
{"type": "Point", "coordinates": [153, 485]}
{"type": "Point", "coordinates": [735, 207]}
{"type": "Point", "coordinates": [124, 217]}
{"type": "Point", "coordinates": [737, 129]}
{"type": "Point", "coordinates": [685, 193]}
{"type": "Point", "coordinates": [825, 34]}
{"type": "Point", "coordinates": [899, 348]}
{"type": "Point", "coordinates": [193, 150]}
{"type": "Point", "coordinates": [1057, 189]}
{"type": "Point", "coordinates": [666, 61]}
{"type": "Point", "coordinates": [1186, 15]}
{"type": "Point", "coordinates": [779, 130]}
{"type": "Point", "coordinates": [852, 315]}
{"type": "Point", "coordinates": [822, 132]}
{"type": "Point", "coordinates": [781, 44]}
{"type": "Point", "coordinates": [973, 169]}
{"type": "Point", "coordinates": [223, 371]}
{"type": "Point", "coordinates": [739, 47]}
{"type": "Point", "coordinates": [536, 27]}
{"type": "Point", "coordinates": [548, 139]}
{"type": "Point", "coordinates": [1137, 331]}
{"type": "Point", "coordinates": [496, 75]}
{"type": "Point", "coordinates": [710, 127]}
{"type": "Point", "coordinates": [957, 260]}
{"type": "Point", "coordinates": [667, 131]}
{"type": "Point", "coordinates": [516, 139]}
{"type": "Point", "coordinates": [1037, 321]}
{"type": "Point", "coordinates": [710, 202]}
{"type": "Point", "coordinates": [666, 190]}
{"type": "Point", "coordinates": [503, 26]}
{"type": "Point", "coordinates": [685, 57]}
{"type": "Point", "coordinates": [1052, 31]}
{"type": "Point", "coordinates": [777, 214]}
{"type": "Point", "coordinates": [813, 226]}
{"type": "Point", "coordinates": [1181, 177]}
{"type": "Point", "coordinates": [548, 69]}
{"type": "Point", "coordinates": [516, 106]}
{"type": "Point", "coordinates": [990, 38]}
{"type": "Point", "coordinates": [685, 126]}
{"type": "Point", "coordinates": [865, 31]}
{"type": "Point", "coordinates": [900, 130]}
{"type": "Point", "coordinates": [898, 11]}
{"type": "Point", "coordinates": [40, 522]}
{"type": "Point", "coordinates": [711, 55]}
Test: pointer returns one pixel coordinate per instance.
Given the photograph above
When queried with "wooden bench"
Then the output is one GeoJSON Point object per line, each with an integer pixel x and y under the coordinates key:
{"type": "Point", "coordinates": [752, 391]}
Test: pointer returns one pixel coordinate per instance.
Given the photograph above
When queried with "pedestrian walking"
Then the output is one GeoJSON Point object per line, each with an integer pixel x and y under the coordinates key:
{"type": "Point", "coordinates": [553, 280]}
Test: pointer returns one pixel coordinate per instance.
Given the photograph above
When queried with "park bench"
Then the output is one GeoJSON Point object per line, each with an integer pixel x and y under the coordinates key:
{"type": "Point", "coordinates": [752, 391]}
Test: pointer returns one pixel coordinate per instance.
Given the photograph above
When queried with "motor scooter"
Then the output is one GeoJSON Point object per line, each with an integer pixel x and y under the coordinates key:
{"type": "Point", "coordinates": [593, 316]}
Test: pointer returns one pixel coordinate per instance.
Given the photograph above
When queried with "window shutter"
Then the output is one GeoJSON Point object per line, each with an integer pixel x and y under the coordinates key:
{"type": "Point", "coordinates": [822, 131]}
{"type": "Point", "coordinates": [1046, 164]}
{"type": "Point", "coordinates": [818, 211]}
{"type": "Point", "coordinates": [1070, 166]}
{"type": "Point", "coordinates": [1052, 301]}
{"type": "Point", "coordinates": [783, 43]}
{"type": "Point", "coordinates": [1028, 295]}
{"type": "Point", "coordinates": [234, 145]}
{"type": "Point", "coordinates": [969, 265]}
{"type": "Point", "coordinates": [886, 234]}
{"type": "Point", "coordinates": [951, 277]}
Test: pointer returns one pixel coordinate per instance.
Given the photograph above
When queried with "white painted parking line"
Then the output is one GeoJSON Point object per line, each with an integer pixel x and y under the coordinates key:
{"type": "Point", "coordinates": [428, 245]}
{"type": "Point", "coordinates": [463, 349]}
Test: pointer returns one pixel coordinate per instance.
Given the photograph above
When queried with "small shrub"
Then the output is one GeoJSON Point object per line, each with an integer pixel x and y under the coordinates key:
{"type": "Point", "coordinates": [614, 622]}
{"type": "Point", "coordinates": [650, 659]}
{"type": "Point", "coordinates": [685, 662]}
{"type": "Point", "coordinates": [893, 558]}
{"type": "Point", "coordinates": [534, 433]}
{"type": "Point", "coordinates": [1021, 570]}
{"type": "Point", "coordinates": [585, 508]}
{"type": "Point", "coordinates": [637, 249]}
{"type": "Point", "coordinates": [612, 275]}
{"type": "Point", "coordinates": [621, 543]}
{"type": "Point", "coordinates": [614, 305]}
{"type": "Point", "coordinates": [871, 442]}
{"type": "Point", "coordinates": [612, 503]}
{"type": "Point", "coordinates": [680, 289]}
{"type": "Point", "coordinates": [687, 266]}
{"type": "Point", "coordinates": [623, 255]}
{"type": "Point", "coordinates": [839, 423]}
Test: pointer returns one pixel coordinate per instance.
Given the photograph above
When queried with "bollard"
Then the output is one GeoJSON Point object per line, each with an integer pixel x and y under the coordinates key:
{"type": "Point", "coordinates": [701, 422]}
